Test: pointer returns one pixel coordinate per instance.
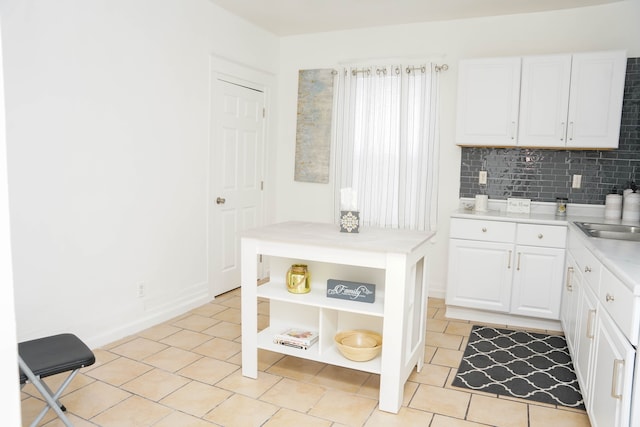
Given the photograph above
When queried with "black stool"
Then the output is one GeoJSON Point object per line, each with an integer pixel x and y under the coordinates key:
{"type": "Point", "coordinates": [43, 357]}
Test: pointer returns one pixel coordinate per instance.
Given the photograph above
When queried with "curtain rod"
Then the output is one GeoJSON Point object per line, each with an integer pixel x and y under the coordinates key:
{"type": "Point", "coordinates": [437, 68]}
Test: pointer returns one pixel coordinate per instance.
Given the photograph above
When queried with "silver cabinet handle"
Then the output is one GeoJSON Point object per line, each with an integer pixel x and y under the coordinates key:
{"type": "Point", "coordinates": [519, 255]}
{"type": "Point", "coordinates": [571, 131]}
{"type": "Point", "coordinates": [590, 319]}
{"type": "Point", "coordinates": [569, 279]}
{"type": "Point", "coordinates": [618, 364]}
{"type": "Point", "coordinates": [513, 130]}
{"type": "Point", "coordinates": [609, 298]}
{"type": "Point", "coordinates": [562, 131]}
{"type": "Point", "coordinates": [484, 229]}
{"type": "Point", "coordinates": [540, 236]}
{"type": "Point", "coordinates": [587, 269]}
{"type": "Point", "coordinates": [509, 262]}
{"type": "Point", "coordinates": [220, 200]}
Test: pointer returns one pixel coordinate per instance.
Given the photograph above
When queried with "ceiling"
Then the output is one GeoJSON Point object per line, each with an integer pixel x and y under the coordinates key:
{"type": "Point", "coordinates": [291, 17]}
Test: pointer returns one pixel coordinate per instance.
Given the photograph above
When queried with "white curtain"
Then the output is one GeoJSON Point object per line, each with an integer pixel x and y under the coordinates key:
{"type": "Point", "coordinates": [386, 140]}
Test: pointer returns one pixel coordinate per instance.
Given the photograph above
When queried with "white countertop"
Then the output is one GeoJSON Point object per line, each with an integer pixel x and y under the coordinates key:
{"type": "Point", "coordinates": [621, 257]}
{"type": "Point", "coordinates": [329, 235]}
{"type": "Point", "coordinates": [501, 215]}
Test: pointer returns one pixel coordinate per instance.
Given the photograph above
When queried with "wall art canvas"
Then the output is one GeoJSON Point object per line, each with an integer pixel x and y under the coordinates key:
{"type": "Point", "coordinates": [313, 130]}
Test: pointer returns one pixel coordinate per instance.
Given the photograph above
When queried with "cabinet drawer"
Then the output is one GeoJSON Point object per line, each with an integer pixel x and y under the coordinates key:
{"type": "Point", "coordinates": [550, 236]}
{"type": "Point", "coordinates": [621, 304]}
{"type": "Point", "coordinates": [490, 231]}
{"type": "Point", "coordinates": [589, 267]}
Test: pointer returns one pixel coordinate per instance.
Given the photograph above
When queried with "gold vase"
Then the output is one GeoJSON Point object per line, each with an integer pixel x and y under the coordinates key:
{"type": "Point", "coordinates": [298, 279]}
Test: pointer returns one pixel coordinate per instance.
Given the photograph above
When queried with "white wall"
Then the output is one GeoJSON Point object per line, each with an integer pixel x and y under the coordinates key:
{"type": "Point", "coordinates": [8, 348]}
{"type": "Point", "coordinates": [107, 130]}
{"type": "Point", "coordinates": [613, 26]}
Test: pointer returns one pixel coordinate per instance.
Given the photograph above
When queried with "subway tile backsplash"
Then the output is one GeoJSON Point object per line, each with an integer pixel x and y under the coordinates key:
{"type": "Point", "coordinates": [543, 175]}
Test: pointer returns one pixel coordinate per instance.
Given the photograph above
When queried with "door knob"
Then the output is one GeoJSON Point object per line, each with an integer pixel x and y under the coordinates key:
{"type": "Point", "coordinates": [220, 200]}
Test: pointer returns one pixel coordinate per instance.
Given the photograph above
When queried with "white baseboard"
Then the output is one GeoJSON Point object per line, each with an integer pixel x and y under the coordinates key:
{"type": "Point", "coordinates": [437, 290]}
{"type": "Point", "coordinates": [169, 309]}
{"type": "Point", "coordinates": [437, 293]}
{"type": "Point", "coordinates": [493, 318]}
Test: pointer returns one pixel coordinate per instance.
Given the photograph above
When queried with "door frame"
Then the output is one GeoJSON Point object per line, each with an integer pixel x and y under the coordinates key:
{"type": "Point", "coordinates": [263, 81]}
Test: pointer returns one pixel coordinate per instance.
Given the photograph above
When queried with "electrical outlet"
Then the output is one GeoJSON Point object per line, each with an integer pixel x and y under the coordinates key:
{"type": "Point", "coordinates": [482, 177]}
{"type": "Point", "coordinates": [577, 181]}
{"type": "Point", "coordinates": [141, 289]}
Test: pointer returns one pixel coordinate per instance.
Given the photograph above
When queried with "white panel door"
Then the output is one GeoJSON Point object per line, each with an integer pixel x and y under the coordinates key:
{"type": "Point", "coordinates": [544, 100]}
{"type": "Point", "coordinates": [537, 283]}
{"type": "Point", "coordinates": [488, 96]}
{"type": "Point", "coordinates": [571, 296]}
{"type": "Point", "coordinates": [595, 100]}
{"type": "Point", "coordinates": [612, 376]}
{"type": "Point", "coordinates": [480, 274]}
{"type": "Point", "coordinates": [236, 173]}
{"type": "Point", "coordinates": [585, 340]}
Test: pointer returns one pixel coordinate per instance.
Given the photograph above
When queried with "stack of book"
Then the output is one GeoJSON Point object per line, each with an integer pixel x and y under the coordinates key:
{"type": "Point", "coordinates": [297, 338]}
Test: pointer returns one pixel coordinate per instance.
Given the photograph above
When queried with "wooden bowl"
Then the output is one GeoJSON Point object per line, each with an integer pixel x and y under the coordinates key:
{"type": "Point", "coordinates": [359, 345]}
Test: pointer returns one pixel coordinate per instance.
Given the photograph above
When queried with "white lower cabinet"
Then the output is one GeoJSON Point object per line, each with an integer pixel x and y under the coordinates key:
{"type": "Point", "coordinates": [571, 296]}
{"type": "Point", "coordinates": [599, 317]}
{"type": "Point", "coordinates": [612, 380]}
{"type": "Point", "coordinates": [535, 290]}
{"type": "Point", "coordinates": [584, 341]}
{"type": "Point", "coordinates": [506, 267]}
{"type": "Point", "coordinates": [480, 274]}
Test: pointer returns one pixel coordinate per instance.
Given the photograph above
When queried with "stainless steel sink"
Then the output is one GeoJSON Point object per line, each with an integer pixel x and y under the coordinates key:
{"type": "Point", "coordinates": [610, 231]}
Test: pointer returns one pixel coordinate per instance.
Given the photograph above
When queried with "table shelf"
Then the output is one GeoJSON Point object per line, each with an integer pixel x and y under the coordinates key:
{"type": "Point", "coordinates": [318, 352]}
{"type": "Point", "coordinates": [317, 298]}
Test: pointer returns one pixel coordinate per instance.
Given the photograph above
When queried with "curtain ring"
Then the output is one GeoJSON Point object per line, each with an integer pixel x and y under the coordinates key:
{"type": "Point", "coordinates": [408, 70]}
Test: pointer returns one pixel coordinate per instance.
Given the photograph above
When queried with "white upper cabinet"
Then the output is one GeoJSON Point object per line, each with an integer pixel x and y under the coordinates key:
{"type": "Point", "coordinates": [544, 100]}
{"type": "Point", "coordinates": [488, 96]}
{"type": "Point", "coordinates": [595, 99]}
{"type": "Point", "coordinates": [561, 101]}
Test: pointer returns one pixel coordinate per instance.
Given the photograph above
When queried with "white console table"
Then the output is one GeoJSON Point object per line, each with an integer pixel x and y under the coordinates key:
{"type": "Point", "coordinates": [394, 260]}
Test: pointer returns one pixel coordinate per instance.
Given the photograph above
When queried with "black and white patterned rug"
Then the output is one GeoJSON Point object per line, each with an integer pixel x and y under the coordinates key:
{"type": "Point", "coordinates": [519, 364]}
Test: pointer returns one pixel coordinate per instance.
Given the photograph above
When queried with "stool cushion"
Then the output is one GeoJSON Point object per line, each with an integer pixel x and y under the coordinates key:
{"type": "Point", "coordinates": [54, 354]}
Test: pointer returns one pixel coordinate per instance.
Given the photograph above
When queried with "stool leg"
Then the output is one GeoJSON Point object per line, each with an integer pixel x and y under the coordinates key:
{"type": "Point", "coordinates": [51, 400]}
{"type": "Point", "coordinates": [58, 407]}
{"type": "Point", "coordinates": [44, 384]}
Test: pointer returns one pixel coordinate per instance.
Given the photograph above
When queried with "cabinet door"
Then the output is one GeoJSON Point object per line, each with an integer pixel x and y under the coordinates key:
{"type": "Point", "coordinates": [612, 376]}
{"type": "Point", "coordinates": [488, 97]}
{"type": "Point", "coordinates": [595, 99]}
{"type": "Point", "coordinates": [585, 340]}
{"type": "Point", "coordinates": [544, 100]}
{"type": "Point", "coordinates": [537, 282]}
{"type": "Point", "coordinates": [571, 295]}
{"type": "Point", "coordinates": [480, 274]}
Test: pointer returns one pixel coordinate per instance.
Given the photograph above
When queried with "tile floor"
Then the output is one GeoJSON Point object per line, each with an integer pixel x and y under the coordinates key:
{"type": "Point", "coordinates": [186, 373]}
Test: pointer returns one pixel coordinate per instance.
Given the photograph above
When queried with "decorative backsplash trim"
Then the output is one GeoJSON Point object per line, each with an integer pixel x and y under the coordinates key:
{"type": "Point", "coordinates": [543, 175]}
